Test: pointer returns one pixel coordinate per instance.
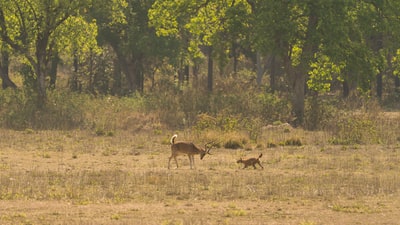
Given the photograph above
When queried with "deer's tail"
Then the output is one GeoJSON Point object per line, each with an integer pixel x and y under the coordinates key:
{"type": "Point", "coordinates": [172, 141]}
{"type": "Point", "coordinates": [260, 155]}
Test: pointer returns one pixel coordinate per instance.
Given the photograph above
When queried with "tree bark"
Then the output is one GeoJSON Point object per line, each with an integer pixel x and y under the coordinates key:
{"type": "Point", "coordinates": [187, 73]}
{"type": "Point", "coordinates": [74, 84]}
{"type": "Point", "coordinates": [298, 97]}
{"type": "Point", "coordinates": [273, 74]}
{"type": "Point", "coordinates": [40, 71]}
{"type": "Point", "coordinates": [133, 71]}
{"type": "Point", "coordinates": [53, 70]}
{"type": "Point", "coordinates": [346, 89]}
{"type": "Point", "coordinates": [196, 69]}
{"type": "Point", "coordinates": [4, 69]}
{"type": "Point", "coordinates": [379, 84]}
{"type": "Point", "coordinates": [117, 85]}
{"type": "Point", "coordinates": [300, 73]}
{"type": "Point", "coordinates": [210, 70]}
{"type": "Point", "coordinates": [260, 68]}
{"type": "Point", "coordinates": [235, 57]}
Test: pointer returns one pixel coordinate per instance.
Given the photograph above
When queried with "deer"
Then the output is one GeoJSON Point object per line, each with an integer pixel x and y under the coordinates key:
{"type": "Point", "coordinates": [187, 148]}
{"type": "Point", "coordinates": [251, 162]}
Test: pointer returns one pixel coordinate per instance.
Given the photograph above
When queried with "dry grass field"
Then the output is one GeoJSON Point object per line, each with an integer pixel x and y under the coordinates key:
{"type": "Point", "coordinates": [78, 177]}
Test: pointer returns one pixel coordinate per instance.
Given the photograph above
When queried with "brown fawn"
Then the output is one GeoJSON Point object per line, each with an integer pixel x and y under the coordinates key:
{"type": "Point", "coordinates": [251, 162]}
{"type": "Point", "coordinates": [187, 148]}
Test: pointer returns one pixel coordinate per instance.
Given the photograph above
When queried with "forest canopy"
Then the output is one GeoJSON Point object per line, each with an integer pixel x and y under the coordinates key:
{"type": "Point", "coordinates": [291, 50]}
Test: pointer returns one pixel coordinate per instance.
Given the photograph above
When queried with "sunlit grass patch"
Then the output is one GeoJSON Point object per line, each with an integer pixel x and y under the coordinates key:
{"type": "Point", "coordinates": [353, 208]}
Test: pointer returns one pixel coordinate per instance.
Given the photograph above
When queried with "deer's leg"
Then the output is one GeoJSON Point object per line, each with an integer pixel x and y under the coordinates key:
{"type": "Point", "coordinates": [260, 165]}
{"type": "Point", "coordinates": [176, 161]}
{"type": "Point", "coordinates": [191, 161]}
{"type": "Point", "coordinates": [169, 161]}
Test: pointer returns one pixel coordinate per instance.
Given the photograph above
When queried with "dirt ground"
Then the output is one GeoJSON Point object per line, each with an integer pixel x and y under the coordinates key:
{"type": "Point", "coordinates": [291, 211]}
{"type": "Point", "coordinates": [18, 157]}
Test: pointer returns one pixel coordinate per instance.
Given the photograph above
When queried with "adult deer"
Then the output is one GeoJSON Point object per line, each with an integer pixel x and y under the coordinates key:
{"type": "Point", "coordinates": [187, 148]}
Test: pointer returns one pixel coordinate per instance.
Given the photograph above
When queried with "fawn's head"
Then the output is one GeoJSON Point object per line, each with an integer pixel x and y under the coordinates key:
{"type": "Point", "coordinates": [240, 160]}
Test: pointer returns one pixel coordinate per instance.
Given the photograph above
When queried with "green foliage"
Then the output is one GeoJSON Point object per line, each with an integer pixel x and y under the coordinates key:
{"type": "Point", "coordinates": [77, 37]}
{"type": "Point", "coordinates": [351, 129]}
{"type": "Point", "coordinates": [205, 121]}
{"type": "Point", "coordinates": [319, 112]}
{"type": "Point", "coordinates": [20, 111]}
{"type": "Point", "coordinates": [273, 108]}
{"type": "Point", "coordinates": [226, 110]}
{"type": "Point", "coordinates": [293, 142]}
{"type": "Point", "coordinates": [234, 144]}
{"type": "Point", "coordinates": [322, 72]}
{"type": "Point", "coordinates": [35, 37]}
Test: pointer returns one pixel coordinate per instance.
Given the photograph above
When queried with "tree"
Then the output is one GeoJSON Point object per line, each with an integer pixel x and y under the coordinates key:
{"type": "Point", "coordinates": [123, 25]}
{"type": "Point", "coordinates": [311, 33]}
{"type": "Point", "coordinates": [210, 28]}
{"type": "Point", "coordinates": [78, 40]}
{"type": "Point", "coordinates": [381, 31]}
{"type": "Point", "coordinates": [29, 27]}
{"type": "Point", "coordinates": [4, 67]}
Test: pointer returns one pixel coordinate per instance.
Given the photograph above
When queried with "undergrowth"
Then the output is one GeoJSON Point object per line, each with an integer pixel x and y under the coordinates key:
{"type": "Point", "coordinates": [226, 110]}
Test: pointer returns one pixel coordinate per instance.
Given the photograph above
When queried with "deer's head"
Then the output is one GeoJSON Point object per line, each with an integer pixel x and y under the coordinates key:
{"type": "Point", "coordinates": [206, 150]}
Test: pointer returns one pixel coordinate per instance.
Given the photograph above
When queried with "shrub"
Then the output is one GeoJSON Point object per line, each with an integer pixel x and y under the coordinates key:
{"type": "Point", "coordinates": [20, 111]}
{"type": "Point", "coordinates": [233, 144]}
{"type": "Point", "coordinates": [319, 112]}
{"type": "Point", "coordinates": [353, 128]}
{"type": "Point", "coordinates": [293, 142]}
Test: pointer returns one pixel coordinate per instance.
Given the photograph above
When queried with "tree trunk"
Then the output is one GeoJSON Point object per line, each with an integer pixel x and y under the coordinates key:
{"type": "Point", "coordinates": [41, 85]}
{"type": "Point", "coordinates": [260, 68]}
{"type": "Point", "coordinates": [273, 74]}
{"type": "Point", "coordinates": [379, 85]}
{"type": "Point", "coordinates": [53, 70]}
{"type": "Point", "coordinates": [196, 69]}
{"type": "Point", "coordinates": [180, 76]}
{"type": "Point", "coordinates": [129, 70]}
{"type": "Point", "coordinates": [210, 70]}
{"type": "Point", "coordinates": [92, 74]}
{"type": "Point", "coordinates": [235, 57]}
{"type": "Point", "coordinates": [74, 84]}
{"type": "Point", "coordinates": [41, 68]}
{"type": "Point", "coordinates": [346, 89]}
{"type": "Point", "coordinates": [117, 85]}
{"type": "Point", "coordinates": [397, 84]}
{"type": "Point", "coordinates": [4, 68]}
{"type": "Point", "coordinates": [299, 77]}
{"type": "Point", "coordinates": [187, 73]}
{"type": "Point", "coordinates": [298, 97]}
{"type": "Point", "coordinates": [134, 74]}
{"type": "Point", "coordinates": [40, 71]}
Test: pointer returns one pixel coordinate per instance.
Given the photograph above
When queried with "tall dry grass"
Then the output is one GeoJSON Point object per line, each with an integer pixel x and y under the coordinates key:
{"type": "Point", "coordinates": [84, 168]}
{"type": "Point", "coordinates": [329, 179]}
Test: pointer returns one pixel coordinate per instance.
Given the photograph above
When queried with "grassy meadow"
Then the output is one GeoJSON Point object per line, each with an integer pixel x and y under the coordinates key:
{"type": "Point", "coordinates": [80, 177]}
{"type": "Point", "coordinates": [103, 160]}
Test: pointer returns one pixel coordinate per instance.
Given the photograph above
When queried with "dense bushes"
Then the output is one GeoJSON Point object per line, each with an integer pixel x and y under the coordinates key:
{"type": "Point", "coordinates": [226, 110]}
{"type": "Point", "coordinates": [20, 111]}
